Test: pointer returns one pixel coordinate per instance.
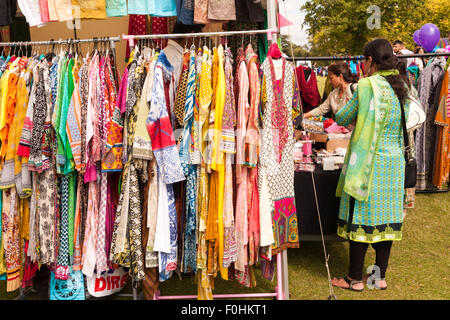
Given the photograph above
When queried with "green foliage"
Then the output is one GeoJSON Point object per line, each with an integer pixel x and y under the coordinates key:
{"type": "Point", "coordinates": [338, 27]}
{"type": "Point", "coordinates": [288, 47]}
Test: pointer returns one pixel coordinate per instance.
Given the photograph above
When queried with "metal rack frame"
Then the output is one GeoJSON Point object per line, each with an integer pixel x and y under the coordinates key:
{"type": "Point", "coordinates": [282, 289]}
{"type": "Point", "coordinates": [58, 42]}
{"type": "Point", "coordinates": [360, 57]}
{"type": "Point", "coordinates": [132, 38]}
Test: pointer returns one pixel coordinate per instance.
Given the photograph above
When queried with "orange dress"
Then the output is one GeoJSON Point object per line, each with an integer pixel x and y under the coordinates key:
{"type": "Point", "coordinates": [442, 120]}
{"type": "Point", "coordinates": [9, 109]}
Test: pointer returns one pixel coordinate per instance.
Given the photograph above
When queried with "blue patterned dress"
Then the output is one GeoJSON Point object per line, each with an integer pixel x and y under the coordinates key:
{"type": "Point", "coordinates": [379, 218]}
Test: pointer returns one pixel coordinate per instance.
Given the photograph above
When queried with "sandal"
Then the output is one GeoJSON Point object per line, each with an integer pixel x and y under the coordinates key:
{"type": "Point", "coordinates": [376, 286]}
{"type": "Point", "coordinates": [351, 283]}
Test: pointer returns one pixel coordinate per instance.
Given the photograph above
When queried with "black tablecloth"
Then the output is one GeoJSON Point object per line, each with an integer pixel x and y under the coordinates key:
{"type": "Point", "coordinates": [326, 183]}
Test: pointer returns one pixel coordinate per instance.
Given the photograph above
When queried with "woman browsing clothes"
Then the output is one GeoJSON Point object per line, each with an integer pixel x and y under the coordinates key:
{"type": "Point", "coordinates": [341, 78]}
{"type": "Point", "coordinates": [371, 186]}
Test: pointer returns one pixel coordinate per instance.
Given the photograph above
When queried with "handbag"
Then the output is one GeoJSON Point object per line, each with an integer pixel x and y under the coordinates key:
{"type": "Point", "coordinates": [416, 115]}
{"type": "Point", "coordinates": [410, 161]}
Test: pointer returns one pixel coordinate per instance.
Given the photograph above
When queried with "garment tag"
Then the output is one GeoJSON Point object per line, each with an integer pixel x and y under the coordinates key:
{"type": "Point", "coordinates": [62, 272]}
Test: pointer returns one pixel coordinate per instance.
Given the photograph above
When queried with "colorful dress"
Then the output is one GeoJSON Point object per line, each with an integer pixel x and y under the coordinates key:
{"type": "Point", "coordinates": [218, 159]}
{"type": "Point", "coordinates": [169, 168]}
{"type": "Point", "coordinates": [374, 167]}
{"type": "Point", "coordinates": [241, 170]}
{"type": "Point", "coordinates": [441, 174]}
{"type": "Point", "coordinates": [276, 168]}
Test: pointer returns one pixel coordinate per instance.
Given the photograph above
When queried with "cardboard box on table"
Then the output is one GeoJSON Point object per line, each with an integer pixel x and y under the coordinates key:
{"type": "Point", "coordinates": [331, 144]}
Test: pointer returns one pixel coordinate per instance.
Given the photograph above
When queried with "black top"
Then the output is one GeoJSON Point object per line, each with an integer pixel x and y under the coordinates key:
{"type": "Point", "coordinates": [8, 9]}
{"type": "Point", "coordinates": [249, 11]}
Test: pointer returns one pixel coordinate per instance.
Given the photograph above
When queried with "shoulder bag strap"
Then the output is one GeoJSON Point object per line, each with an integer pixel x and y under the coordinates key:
{"type": "Point", "coordinates": [405, 133]}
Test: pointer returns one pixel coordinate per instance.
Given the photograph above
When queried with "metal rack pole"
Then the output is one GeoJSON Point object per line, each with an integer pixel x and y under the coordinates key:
{"type": "Point", "coordinates": [131, 38]}
{"type": "Point", "coordinates": [279, 294]}
{"type": "Point", "coordinates": [200, 34]}
{"type": "Point", "coordinates": [360, 57]}
{"type": "Point", "coordinates": [56, 42]}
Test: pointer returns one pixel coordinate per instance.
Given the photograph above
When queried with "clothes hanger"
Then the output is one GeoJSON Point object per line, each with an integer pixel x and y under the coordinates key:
{"type": "Point", "coordinates": [88, 50]}
{"type": "Point", "coordinates": [192, 45]}
{"type": "Point", "coordinates": [79, 52]}
{"type": "Point", "coordinates": [52, 41]}
{"type": "Point", "coordinates": [75, 47]}
{"type": "Point", "coordinates": [107, 45]}
{"type": "Point", "coordinates": [95, 47]}
{"type": "Point", "coordinates": [100, 46]}
{"type": "Point", "coordinates": [157, 48]}
{"type": "Point", "coordinates": [60, 47]}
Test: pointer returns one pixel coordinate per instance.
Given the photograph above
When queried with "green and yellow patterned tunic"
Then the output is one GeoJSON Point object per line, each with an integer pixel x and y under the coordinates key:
{"type": "Point", "coordinates": [378, 216]}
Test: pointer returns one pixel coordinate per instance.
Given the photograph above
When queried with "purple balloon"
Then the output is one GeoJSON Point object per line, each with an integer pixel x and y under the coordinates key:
{"type": "Point", "coordinates": [429, 36]}
{"type": "Point", "coordinates": [416, 37]}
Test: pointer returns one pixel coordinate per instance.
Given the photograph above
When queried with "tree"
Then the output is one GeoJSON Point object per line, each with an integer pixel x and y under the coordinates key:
{"type": "Point", "coordinates": [437, 12]}
{"type": "Point", "coordinates": [339, 27]}
{"type": "Point", "coordinates": [287, 46]}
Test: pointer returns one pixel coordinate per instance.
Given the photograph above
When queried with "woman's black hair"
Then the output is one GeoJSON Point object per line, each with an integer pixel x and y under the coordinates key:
{"type": "Point", "coordinates": [418, 48]}
{"type": "Point", "coordinates": [401, 67]}
{"type": "Point", "coordinates": [383, 56]}
{"type": "Point", "coordinates": [339, 68]}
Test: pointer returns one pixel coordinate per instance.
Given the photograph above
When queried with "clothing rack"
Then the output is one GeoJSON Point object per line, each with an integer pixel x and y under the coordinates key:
{"type": "Point", "coordinates": [360, 57]}
{"type": "Point", "coordinates": [282, 288]}
{"type": "Point", "coordinates": [432, 190]}
{"type": "Point", "coordinates": [131, 38]}
{"type": "Point", "coordinates": [278, 294]}
{"type": "Point", "coordinates": [23, 293]}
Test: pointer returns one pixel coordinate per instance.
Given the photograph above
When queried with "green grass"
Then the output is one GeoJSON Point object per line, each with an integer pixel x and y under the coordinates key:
{"type": "Point", "coordinates": [418, 268]}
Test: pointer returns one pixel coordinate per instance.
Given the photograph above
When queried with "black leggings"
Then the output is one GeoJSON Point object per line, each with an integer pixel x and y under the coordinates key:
{"type": "Point", "coordinates": [358, 252]}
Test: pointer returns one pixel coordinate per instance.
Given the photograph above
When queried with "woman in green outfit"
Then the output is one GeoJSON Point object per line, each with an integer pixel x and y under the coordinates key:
{"type": "Point", "coordinates": [371, 185]}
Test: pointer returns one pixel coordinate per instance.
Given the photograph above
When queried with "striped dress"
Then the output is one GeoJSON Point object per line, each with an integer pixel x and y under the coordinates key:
{"type": "Point", "coordinates": [380, 217]}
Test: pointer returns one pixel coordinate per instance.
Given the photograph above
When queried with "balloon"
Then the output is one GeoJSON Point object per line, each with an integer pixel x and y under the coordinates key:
{"type": "Point", "coordinates": [416, 37]}
{"type": "Point", "coordinates": [429, 36]}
